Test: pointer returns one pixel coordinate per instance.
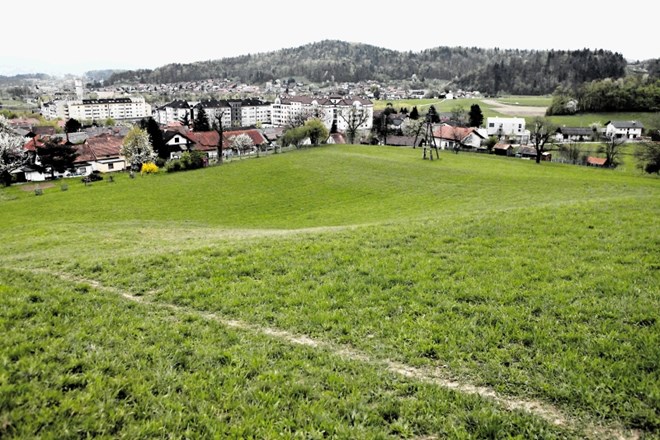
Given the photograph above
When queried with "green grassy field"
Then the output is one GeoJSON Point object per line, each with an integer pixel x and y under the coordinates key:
{"type": "Point", "coordinates": [334, 292]}
{"type": "Point", "coordinates": [586, 119]}
{"type": "Point", "coordinates": [439, 104]}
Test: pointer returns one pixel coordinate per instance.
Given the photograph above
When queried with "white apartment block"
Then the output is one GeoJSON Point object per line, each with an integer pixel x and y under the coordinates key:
{"type": "Point", "coordinates": [334, 110]}
{"type": "Point", "coordinates": [173, 111]}
{"type": "Point", "coordinates": [505, 126]}
{"type": "Point", "coordinates": [97, 109]}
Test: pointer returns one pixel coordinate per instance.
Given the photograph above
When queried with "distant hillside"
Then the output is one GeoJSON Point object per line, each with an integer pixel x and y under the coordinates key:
{"type": "Point", "coordinates": [648, 67]}
{"type": "Point", "coordinates": [18, 79]}
{"type": "Point", "coordinates": [101, 75]}
{"type": "Point", "coordinates": [488, 70]}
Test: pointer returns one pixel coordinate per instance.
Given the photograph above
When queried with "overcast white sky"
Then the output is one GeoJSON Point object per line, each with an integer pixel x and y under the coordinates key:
{"type": "Point", "coordinates": [73, 36]}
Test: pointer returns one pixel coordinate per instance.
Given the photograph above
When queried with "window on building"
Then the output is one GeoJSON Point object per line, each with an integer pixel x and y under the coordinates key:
{"type": "Point", "coordinates": [111, 166]}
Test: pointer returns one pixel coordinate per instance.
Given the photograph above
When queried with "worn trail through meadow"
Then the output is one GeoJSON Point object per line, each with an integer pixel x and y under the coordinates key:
{"type": "Point", "coordinates": [434, 376]}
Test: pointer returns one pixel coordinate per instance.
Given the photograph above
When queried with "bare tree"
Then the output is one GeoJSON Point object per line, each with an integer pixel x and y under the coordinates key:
{"type": "Point", "coordinates": [612, 149]}
{"type": "Point", "coordinates": [459, 115]}
{"type": "Point", "coordinates": [571, 152]}
{"type": "Point", "coordinates": [355, 119]}
{"type": "Point", "coordinates": [457, 136]}
{"type": "Point", "coordinates": [648, 157]}
{"type": "Point", "coordinates": [542, 131]}
{"type": "Point", "coordinates": [413, 127]}
{"type": "Point", "coordinates": [298, 119]}
{"type": "Point", "coordinates": [218, 127]}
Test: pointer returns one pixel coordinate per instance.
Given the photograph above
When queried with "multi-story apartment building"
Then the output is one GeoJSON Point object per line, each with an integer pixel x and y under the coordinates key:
{"type": "Point", "coordinates": [334, 111]}
{"type": "Point", "coordinates": [97, 109]}
{"type": "Point", "coordinates": [234, 113]}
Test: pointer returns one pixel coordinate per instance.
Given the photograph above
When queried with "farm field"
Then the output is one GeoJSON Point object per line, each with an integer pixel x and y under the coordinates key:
{"type": "Point", "coordinates": [344, 291]}
{"type": "Point", "coordinates": [441, 105]}
{"type": "Point", "coordinates": [585, 119]}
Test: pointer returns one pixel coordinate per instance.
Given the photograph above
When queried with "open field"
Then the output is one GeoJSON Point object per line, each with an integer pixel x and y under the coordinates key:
{"type": "Point", "coordinates": [441, 105]}
{"type": "Point", "coordinates": [585, 119]}
{"type": "Point", "coordinates": [354, 292]}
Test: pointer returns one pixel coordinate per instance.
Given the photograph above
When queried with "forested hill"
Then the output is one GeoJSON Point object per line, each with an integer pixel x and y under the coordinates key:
{"type": "Point", "coordinates": [487, 70]}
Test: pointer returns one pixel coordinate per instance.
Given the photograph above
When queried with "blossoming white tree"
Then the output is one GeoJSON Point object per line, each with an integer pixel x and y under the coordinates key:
{"type": "Point", "coordinates": [137, 148]}
{"type": "Point", "coordinates": [12, 154]}
{"type": "Point", "coordinates": [242, 142]}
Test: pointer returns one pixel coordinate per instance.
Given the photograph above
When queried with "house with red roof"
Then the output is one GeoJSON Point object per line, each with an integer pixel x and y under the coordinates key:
{"type": "Point", "coordinates": [258, 140]}
{"type": "Point", "coordinates": [102, 153]}
{"type": "Point", "coordinates": [600, 162]}
{"type": "Point", "coordinates": [448, 137]}
{"type": "Point", "coordinates": [205, 141]}
{"type": "Point", "coordinates": [99, 153]}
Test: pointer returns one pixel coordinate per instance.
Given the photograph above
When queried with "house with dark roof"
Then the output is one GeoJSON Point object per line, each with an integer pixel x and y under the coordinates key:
{"type": "Point", "coordinates": [575, 134]}
{"type": "Point", "coordinates": [401, 141]}
{"type": "Point", "coordinates": [502, 149]}
{"type": "Point", "coordinates": [177, 141]}
{"type": "Point", "coordinates": [173, 111]}
{"type": "Point", "coordinates": [624, 129]}
{"type": "Point", "coordinates": [43, 130]}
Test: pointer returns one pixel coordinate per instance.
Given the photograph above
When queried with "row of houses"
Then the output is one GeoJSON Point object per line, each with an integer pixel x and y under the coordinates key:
{"type": "Point", "coordinates": [512, 130]}
{"type": "Point", "coordinates": [102, 152]}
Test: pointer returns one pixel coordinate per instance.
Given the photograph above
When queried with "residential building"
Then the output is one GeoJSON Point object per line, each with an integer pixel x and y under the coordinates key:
{"type": "Point", "coordinates": [233, 113]}
{"type": "Point", "coordinates": [100, 153]}
{"type": "Point", "coordinates": [206, 142]}
{"type": "Point", "coordinates": [448, 137]}
{"type": "Point", "coordinates": [130, 108]}
{"type": "Point", "coordinates": [505, 126]}
{"type": "Point", "coordinates": [624, 129]}
{"type": "Point", "coordinates": [173, 112]}
{"type": "Point", "coordinates": [334, 111]}
{"type": "Point", "coordinates": [258, 140]}
{"type": "Point", "coordinates": [574, 134]}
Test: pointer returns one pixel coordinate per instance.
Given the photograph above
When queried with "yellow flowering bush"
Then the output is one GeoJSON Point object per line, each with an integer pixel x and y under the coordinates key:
{"type": "Point", "coordinates": [149, 168]}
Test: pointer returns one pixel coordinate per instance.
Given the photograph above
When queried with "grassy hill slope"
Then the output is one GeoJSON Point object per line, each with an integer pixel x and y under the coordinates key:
{"type": "Point", "coordinates": [536, 281]}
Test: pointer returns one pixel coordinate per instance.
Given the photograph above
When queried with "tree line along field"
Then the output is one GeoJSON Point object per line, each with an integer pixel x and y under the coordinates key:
{"type": "Point", "coordinates": [344, 291]}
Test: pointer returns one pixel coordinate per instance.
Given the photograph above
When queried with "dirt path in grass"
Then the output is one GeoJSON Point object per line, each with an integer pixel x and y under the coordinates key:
{"type": "Point", "coordinates": [434, 376]}
{"type": "Point", "coordinates": [515, 110]}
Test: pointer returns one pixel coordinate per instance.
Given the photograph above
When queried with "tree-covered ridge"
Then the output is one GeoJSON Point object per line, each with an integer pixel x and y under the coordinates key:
{"type": "Point", "coordinates": [631, 94]}
{"type": "Point", "coordinates": [517, 71]}
{"type": "Point", "coordinates": [17, 79]}
{"type": "Point", "coordinates": [539, 72]}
